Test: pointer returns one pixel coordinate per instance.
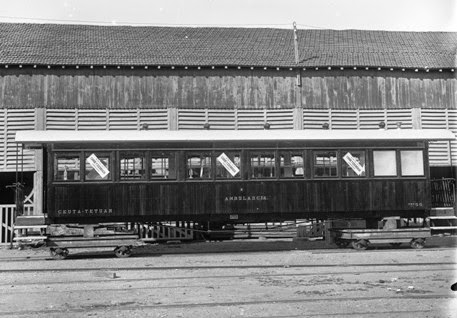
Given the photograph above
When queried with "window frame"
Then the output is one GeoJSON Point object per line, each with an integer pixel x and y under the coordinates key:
{"type": "Point", "coordinates": [397, 165]}
{"type": "Point", "coordinates": [104, 154]}
{"type": "Point", "coordinates": [172, 157]}
{"type": "Point", "coordinates": [293, 153]}
{"type": "Point", "coordinates": [400, 163]}
{"type": "Point", "coordinates": [201, 154]}
{"type": "Point", "coordinates": [344, 151]}
{"type": "Point", "coordinates": [217, 153]}
{"type": "Point", "coordinates": [274, 152]}
{"type": "Point", "coordinates": [314, 166]}
{"type": "Point", "coordinates": [74, 154]}
{"type": "Point", "coordinates": [132, 152]}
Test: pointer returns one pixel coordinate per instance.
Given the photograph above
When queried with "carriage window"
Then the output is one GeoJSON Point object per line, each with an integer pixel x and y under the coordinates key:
{"type": "Point", "coordinates": [353, 163]}
{"type": "Point", "coordinates": [384, 163]}
{"type": "Point", "coordinates": [98, 166]}
{"type": "Point", "coordinates": [263, 165]}
{"type": "Point", "coordinates": [412, 163]}
{"type": "Point", "coordinates": [132, 166]}
{"type": "Point", "coordinates": [67, 168]}
{"type": "Point", "coordinates": [163, 166]}
{"type": "Point", "coordinates": [291, 164]}
{"type": "Point", "coordinates": [199, 166]}
{"type": "Point", "coordinates": [228, 165]}
{"type": "Point", "coordinates": [325, 164]}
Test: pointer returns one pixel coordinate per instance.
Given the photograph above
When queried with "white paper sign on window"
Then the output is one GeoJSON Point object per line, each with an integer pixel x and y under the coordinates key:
{"type": "Point", "coordinates": [354, 164]}
{"type": "Point", "coordinates": [97, 165]}
{"type": "Point", "coordinates": [228, 164]}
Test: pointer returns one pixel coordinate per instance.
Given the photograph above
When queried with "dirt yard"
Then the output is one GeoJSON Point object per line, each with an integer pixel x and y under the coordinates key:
{"type": "Point", "coordinates": [230, 279]}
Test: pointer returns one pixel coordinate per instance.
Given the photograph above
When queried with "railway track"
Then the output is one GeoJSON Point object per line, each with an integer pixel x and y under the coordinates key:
{"type": "Point", "coordinates": [266, 284]}
{"type": "Point", "coordinates": [162, 268]}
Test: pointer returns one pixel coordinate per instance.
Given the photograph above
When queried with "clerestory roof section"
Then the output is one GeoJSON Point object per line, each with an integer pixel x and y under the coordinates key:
{"type": "Point", "coordinates": [64, 44]}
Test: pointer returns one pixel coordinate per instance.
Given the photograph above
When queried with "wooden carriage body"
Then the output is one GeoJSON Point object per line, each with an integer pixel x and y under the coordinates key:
{"type": "Point", "coordinates": [233, 176]}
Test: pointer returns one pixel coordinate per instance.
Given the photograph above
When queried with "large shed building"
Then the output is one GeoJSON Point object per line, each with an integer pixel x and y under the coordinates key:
{"type": "Point", "coordinates": [81, 77]}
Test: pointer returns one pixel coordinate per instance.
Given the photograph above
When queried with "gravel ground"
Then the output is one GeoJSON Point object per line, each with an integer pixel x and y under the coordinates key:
{"type": "Point", "coordinates": [257, 278]}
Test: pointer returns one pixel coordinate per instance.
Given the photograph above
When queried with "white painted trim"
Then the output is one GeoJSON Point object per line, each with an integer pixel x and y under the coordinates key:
{"type": "Point", "coordinates": [92, 136]}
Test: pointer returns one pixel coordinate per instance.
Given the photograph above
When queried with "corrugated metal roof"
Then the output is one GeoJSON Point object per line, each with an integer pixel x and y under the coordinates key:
{"type": "Point", "coordinates": [63, 44]}
{"type": "Point", "coordinates": [88, 136]}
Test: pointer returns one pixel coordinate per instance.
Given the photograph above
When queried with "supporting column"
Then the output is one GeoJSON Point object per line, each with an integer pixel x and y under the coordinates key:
{"type": "Point", "coordinates": [40, 124]}
{"type": "Point", "coordinates": [298, 109]}
{"type": "Point", "coordinates": [416, 118]}
{"type": "Point", "coordinates": [38, 183]}
{"type": "Point", "coordinates": [298, 118]}
{"type": "Point", "coordinates": [172, 118]}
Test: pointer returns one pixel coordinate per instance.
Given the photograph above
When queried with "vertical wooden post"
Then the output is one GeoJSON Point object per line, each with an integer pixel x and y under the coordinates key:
{"type": "Point", "coordinates": [236, 118]}
{"type": "Point", "coordinates": [297, 54]}
{"type": "Point", "coordinates": [173, 118]}
{"type": "Point", "coordinates": [107, 120]}
{"type": "Point", "coordinates": [76, 119]}
{"type": "Point", "coordinates": [298, 118]}
{"type": "Point", "coordinates": [416, 118]}
{"type": "Point", "coordinates": [298, 110]}
{"type": "Point", "coordinates": [138, 119]}
{"type": "Point", "coordinates": [40, 124]}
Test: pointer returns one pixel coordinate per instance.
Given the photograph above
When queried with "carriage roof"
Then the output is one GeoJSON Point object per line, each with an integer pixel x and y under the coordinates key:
{"type": "Point", "coordinates": [123, 136]}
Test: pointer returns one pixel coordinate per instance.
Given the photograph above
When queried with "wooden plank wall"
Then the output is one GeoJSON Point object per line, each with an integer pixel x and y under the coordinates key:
{"type": "Point", "coordinates": [225, 89]}
{"type": "Point", "coordinates": [226, 99]}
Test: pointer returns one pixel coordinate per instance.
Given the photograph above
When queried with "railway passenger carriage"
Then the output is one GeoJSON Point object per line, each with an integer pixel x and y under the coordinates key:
{"type": "Point", "coordinates": [227, 177]}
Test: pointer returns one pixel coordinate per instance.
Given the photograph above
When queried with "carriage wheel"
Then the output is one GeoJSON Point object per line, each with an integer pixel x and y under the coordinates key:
{"type": "Point", "coordinates": [59, 253]}
{"type": "Point", "coordinates": [417, 243]}
{"type": "Point", "coordinates": [123, 251]}
{"type": "Point", "coordinates": [360, 245]}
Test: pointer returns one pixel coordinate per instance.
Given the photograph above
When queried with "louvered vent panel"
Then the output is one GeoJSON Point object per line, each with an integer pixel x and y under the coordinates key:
{"type": "Point", "coordinates": [280, 119]}
{"type": "Point", "coordinates": [402, 116]}
{"type": "Point", "coordinates": [439, 150]}
{"type": "Point", "coordinates": [344, 119]}
{"type": "Point", "coordinates": [370, 119]}
{"type": "Point", "coordinates": [2, 140]}
{"type": "Point", "coordinates": [16, 120]}
{"type": "Point", "coordinates": [123, 120]}
{"type": "Point", "coordinates": [155, 118]}
{"type": "Point", "coordinates": [251, 119]}
{"type": "Point", "coordinates": [452, 117]}
{"type": "Point", "coordinates": [314, 119]}
{"type": "Point", "coordinates": [91, 119]}
{"type": "Point", "coordinates": [221, 119]}
{"type": "Point", "coordinates": [60, 119]}
{"type": "Point", "coordinates": [191, 119]}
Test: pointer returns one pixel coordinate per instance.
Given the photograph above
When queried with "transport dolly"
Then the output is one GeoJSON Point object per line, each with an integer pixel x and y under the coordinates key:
{"type": "Point", "coordinates": [123, 244]}
{"type": "Point", "coordinates": [361, 238]}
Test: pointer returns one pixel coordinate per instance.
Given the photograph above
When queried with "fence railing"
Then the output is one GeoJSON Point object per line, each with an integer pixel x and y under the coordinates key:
{"type": "Point", "coordinates": [6, 220]}
{"type": "Point", "coordinates": [443, 192]}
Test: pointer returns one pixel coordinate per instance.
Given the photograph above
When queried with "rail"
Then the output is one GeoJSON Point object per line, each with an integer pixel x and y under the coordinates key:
{"type": "Point", "coordinates": [443, 192]}
{"type": "Point", "coordinates": [7, 212]}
